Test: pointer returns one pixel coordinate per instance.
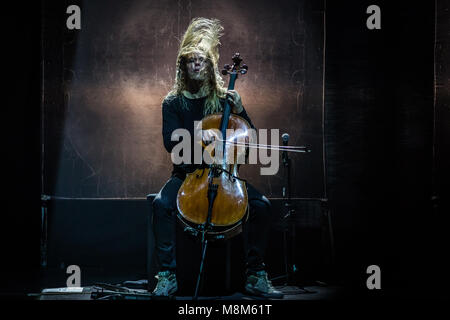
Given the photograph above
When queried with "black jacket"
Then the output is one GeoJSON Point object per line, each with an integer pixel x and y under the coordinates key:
{"type": "Point", "coordinates": [175, 116]}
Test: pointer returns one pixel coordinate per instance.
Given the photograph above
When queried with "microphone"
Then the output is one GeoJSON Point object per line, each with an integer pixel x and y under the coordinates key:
{"type": "Point", "coordinates": [285, 138]}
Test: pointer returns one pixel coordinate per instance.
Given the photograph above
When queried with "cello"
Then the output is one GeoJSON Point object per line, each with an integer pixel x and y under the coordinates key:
{"type": "Point", "coordinates": [213, 200]}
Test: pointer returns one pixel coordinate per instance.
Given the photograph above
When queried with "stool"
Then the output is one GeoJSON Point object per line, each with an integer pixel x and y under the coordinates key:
{"type": "Point", "coordinates": [152, 261]}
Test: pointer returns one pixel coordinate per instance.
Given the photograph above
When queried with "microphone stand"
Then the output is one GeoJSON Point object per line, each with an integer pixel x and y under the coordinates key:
{"type": "Point", "coordinates": [290, 212]}
{"type": "Point", "coordinates": [289, 208]}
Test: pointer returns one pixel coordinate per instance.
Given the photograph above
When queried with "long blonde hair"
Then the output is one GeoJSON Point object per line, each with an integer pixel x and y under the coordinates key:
{"type": "Point", "coordinates": [202, 36]}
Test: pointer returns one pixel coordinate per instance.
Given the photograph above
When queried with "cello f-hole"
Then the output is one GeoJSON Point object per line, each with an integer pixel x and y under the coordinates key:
{"type": "Point", "coordinates": [199, 176]}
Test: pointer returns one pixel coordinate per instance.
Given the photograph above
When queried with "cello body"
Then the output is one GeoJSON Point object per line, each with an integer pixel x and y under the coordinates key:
{"type": "Point", "coordinates": [230, 204]}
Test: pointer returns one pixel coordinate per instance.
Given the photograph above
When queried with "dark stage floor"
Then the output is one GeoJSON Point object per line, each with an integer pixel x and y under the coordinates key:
{"type": "Point", "coordinates": [113, 292]}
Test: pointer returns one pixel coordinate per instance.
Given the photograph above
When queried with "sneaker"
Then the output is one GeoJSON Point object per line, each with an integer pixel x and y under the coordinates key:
{"type": "Point", "coordinates": [258, 284]}
{"type": "Point", "coordinates": [167, 284]}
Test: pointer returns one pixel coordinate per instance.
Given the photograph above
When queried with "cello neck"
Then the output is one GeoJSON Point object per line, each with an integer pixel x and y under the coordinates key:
{"type": "Point", "coordinates": [226, 116]}
{"type": "Point", "coordinates": [233, 71]}
{"type": "Point", "coordinates": [233, 77]}
{"type": "Point", "coordinates": [227, 107]}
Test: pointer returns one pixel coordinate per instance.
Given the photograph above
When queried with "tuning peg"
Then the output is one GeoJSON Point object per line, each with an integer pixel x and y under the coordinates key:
{"type": "Point", "coordinates": [243, 69]}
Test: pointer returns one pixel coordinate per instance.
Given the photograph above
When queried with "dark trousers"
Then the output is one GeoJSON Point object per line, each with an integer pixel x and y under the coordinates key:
{"type": "Point", "coordinates": [255, 230]}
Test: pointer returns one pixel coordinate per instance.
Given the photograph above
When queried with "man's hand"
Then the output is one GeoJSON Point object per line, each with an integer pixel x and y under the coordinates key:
{"type": "Point", "coordinates": [234, 99]}
{"type": "Point", "coordinates": [209, 135]}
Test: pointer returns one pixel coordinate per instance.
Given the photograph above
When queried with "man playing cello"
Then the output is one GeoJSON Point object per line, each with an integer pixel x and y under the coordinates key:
{"type": "Point", "coordinates": [199, 91]}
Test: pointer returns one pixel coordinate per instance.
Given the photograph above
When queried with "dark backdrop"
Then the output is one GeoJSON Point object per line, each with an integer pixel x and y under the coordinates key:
{"type": "Point", "coordinates": [387, 135]}
{"type": "Point", "coordinates": [104, 84]}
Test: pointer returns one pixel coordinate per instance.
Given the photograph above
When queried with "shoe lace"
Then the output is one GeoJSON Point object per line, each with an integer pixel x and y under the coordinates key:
{"type": "Point", "coordinates": [163, 280]}
{"type": "Point", "coordinates": [263, 276]}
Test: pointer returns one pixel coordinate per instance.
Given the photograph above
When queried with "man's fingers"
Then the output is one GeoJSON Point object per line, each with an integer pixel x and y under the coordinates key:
{"type": "Point", "coordinates": [234, 99]}
{"type": "Point", "coordinates": [209, 135]}
{"type": "Point", "coordinates": [231, 93]}
{"type": "Point", "coordinates": [231, 100]}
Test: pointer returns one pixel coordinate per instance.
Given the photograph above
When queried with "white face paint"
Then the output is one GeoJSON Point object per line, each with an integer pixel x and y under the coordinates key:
{"type": "Point", "coordinates": [196, 66]}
